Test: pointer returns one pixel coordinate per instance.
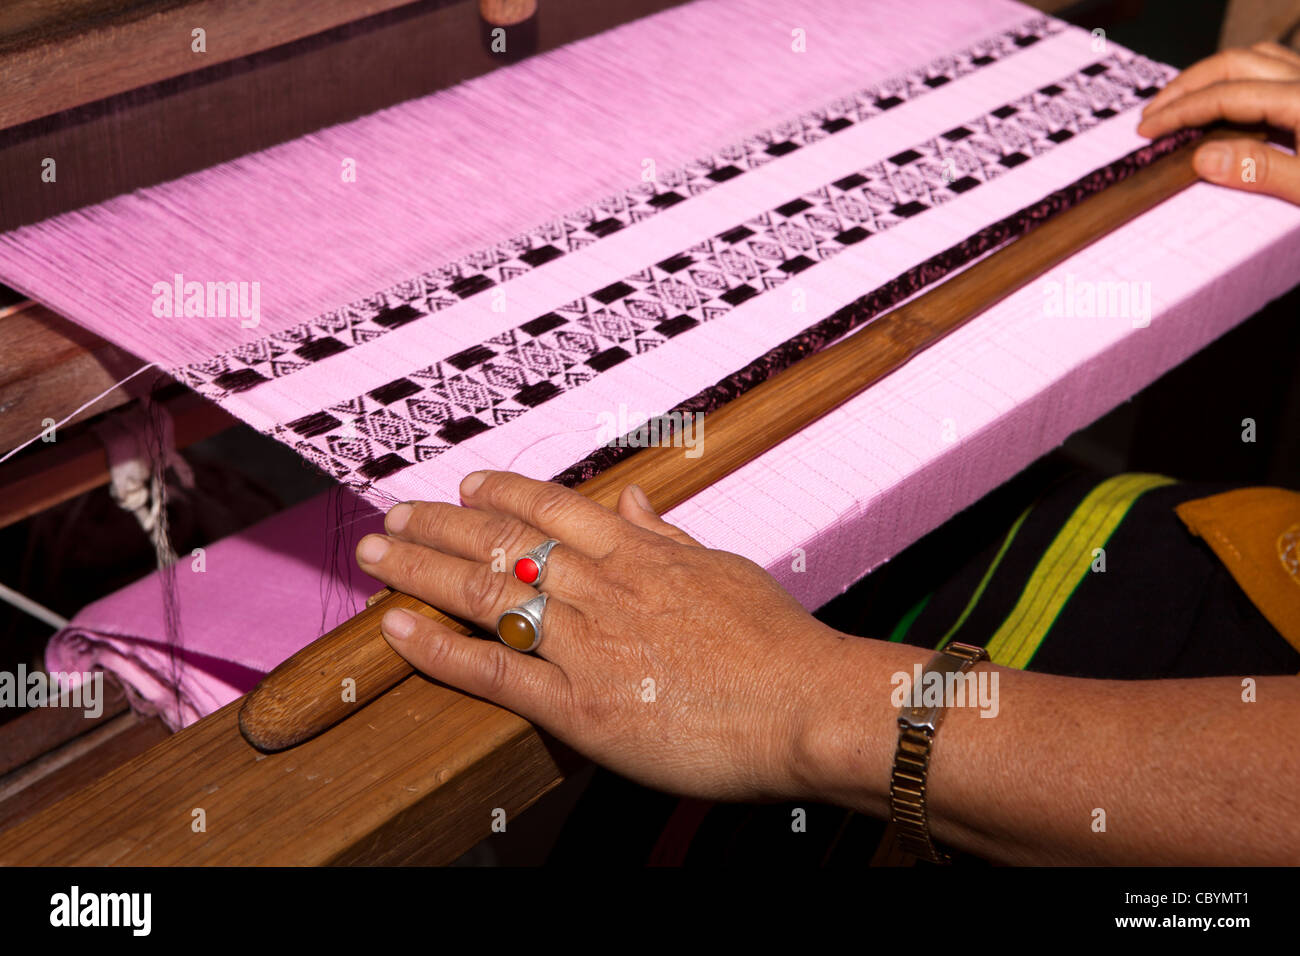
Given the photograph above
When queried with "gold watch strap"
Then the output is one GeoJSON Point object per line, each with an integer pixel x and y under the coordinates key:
{"type": "Point", "coordinates": [907, 784]}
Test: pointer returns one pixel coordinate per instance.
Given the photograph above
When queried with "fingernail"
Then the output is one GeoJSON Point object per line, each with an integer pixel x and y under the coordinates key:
{"type": "Point", "coordinates": [397, 518]}
{"type": "Point", "coordinates": [372, 548]}
{"type": "Point", "coordinates": [398, 623]}
{"type": "Point", "coordinates": [1212, 161]}
{"type": "Point", "coordinates": [642, 499]}
{"type": "Point", "coordinates": [471, 483]}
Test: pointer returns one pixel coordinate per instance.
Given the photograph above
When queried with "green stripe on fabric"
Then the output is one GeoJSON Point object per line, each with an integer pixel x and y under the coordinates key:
{"type": "Point", "coordinates": [897, 635]}
{"type": "Point", "coordinates": [1064, 565]}
{"type": "Point", "coordinates": [984, 581]}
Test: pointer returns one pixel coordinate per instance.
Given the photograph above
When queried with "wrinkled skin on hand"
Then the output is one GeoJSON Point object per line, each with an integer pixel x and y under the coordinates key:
{"type": "Point", "coordinates": [685, 668]}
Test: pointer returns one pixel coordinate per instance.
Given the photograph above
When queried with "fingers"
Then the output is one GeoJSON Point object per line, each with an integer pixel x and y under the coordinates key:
{"type": "Point", "coordinates": [1259, 85]}
{"type": "Point", "coordinates": [474, 535]}
{"type": "Point", "coordinates": [1250, 165]}
{"type": "Point", "coordinates": [559, 512]}
{"type": "Point", "coordinates": [1247, 101]}
{"type": "Point", "coordinates": [1241, 64]}
{"type": "Point", "coordinates": [489, 537]}
{"type": "Point", "coordinates": [465, 589]}
{"type": "Point", "coordinates": [530, 686]}
{"type": "Point", "coordinates": [636, 508]}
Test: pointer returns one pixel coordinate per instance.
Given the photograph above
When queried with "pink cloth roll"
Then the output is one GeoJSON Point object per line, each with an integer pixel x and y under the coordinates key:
{"type": "Point", "coordinates": [260, 596]}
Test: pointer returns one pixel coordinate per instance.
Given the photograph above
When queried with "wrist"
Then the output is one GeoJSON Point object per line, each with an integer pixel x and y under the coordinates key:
{"type": "Point", "coordinates": [845, 746]}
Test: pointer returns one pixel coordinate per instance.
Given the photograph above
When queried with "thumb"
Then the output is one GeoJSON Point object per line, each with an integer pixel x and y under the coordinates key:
{"type": "Point", "coordinates": [1251, 166]}
{"type": "Point", "coordinates": [636, 508]}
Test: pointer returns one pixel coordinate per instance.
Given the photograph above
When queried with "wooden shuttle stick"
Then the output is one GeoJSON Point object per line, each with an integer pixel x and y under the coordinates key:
{"type": "Point", "coordinates": [304, 695]}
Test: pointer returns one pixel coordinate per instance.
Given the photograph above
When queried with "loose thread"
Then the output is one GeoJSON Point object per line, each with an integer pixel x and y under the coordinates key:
{"type": "Point", "coordinates": [158, 449]}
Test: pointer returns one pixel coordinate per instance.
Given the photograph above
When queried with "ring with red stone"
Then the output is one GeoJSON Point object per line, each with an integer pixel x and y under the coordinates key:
{"type": "Point", "coordinates": [531, 568]}
{"type": "Point", "coordinates": [521, 627]}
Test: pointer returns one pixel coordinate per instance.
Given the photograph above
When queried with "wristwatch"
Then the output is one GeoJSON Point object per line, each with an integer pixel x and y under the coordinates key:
{"type": "Point", "coordinates": [916, 729]}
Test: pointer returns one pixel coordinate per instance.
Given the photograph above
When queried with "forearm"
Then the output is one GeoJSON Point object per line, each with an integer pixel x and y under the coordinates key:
{"type": "Point", "coordinates": [1184, 770]}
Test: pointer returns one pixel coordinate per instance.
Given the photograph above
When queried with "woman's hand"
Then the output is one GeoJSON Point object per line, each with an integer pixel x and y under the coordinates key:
{"type": "Point", "coordinates": [687, 669]}
{"type": "Point", "coordinates": [1256, 85]}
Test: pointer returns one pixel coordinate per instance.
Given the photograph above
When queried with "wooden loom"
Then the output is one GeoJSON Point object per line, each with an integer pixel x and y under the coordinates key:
{"type": "Point", "coordinates": [457, 755]}
{"type": "Point", "coordinates": [454, 755]}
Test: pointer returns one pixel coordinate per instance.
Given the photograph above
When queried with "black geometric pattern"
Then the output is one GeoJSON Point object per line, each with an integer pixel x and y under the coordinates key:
{"type": "Point", "coordinates": [427, 411]}
{"type": "Point", "coordinates": [880, 299]}
{"type": "Point", "coordinates": [294, 349]}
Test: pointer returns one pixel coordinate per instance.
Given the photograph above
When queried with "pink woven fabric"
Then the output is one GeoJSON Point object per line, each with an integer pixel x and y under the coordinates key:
{"type": "Point", "coordinates": [369, 361]}
{"type": "Point", "coordinates": [261, 595]}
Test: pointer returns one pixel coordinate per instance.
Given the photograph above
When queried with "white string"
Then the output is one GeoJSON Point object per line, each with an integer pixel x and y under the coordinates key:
{"type": "Point", "coordinates": [38, 611]}
{"type": "Point", "coordinates": [112, 388]}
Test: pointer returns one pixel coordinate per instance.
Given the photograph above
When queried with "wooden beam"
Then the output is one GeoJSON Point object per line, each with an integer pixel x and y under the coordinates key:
{"type": "Point", "coordinates": [28, 736]}
{"type": "Point", "coordinates": [48, 367]}
{"type": "Point", "coordinates": [46, 476]}
{"type": "Point", "coordinates": [76, 764]}
{"type": "Point", "coordinates": [415, 779]}
{"type": "Point", "coordinates": [54, 56]}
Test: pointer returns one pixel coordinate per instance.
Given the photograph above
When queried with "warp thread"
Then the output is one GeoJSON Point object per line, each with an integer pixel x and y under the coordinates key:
{"type": "Point", "coordinates": [514, 148]}
{"type": "Point", "coordinates": [140, 445]}
{"type": "Point", "coordinates": [340, 540]}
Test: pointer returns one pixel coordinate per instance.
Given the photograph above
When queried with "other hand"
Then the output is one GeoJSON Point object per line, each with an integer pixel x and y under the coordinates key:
{"type": "Point", "coordinates": [1256, 85]}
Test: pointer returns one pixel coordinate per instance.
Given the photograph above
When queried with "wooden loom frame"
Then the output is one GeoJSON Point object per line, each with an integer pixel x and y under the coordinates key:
{"type": "Point", "coordinates": [414, 776]}
{"type": "Point", "coordinates": [89, 79]}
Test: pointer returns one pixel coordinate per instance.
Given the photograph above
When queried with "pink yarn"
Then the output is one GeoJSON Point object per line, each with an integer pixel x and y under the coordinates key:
{"type": "Point", "coordinates": [441, 176]}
